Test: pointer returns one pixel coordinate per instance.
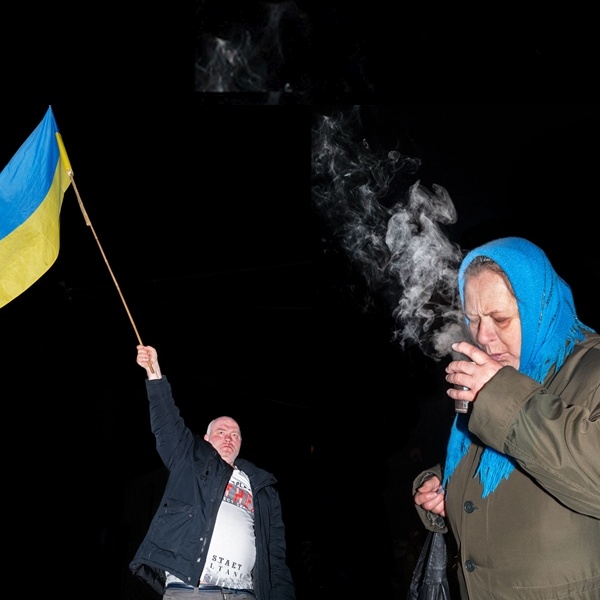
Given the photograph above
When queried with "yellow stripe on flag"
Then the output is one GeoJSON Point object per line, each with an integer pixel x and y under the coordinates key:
{"type": "Point", "coordinates": [32, 187]}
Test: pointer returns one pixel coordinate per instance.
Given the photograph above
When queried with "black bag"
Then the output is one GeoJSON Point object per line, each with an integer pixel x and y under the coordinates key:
{"type": "Point", "coordinates": [430, 579]}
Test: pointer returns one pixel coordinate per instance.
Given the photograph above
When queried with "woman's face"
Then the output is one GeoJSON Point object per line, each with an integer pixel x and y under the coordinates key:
{"type": "Point", "coordinates": [493, 316]}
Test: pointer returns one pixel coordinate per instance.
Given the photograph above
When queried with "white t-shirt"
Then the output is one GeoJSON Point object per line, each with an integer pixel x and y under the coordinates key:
{"type": "Point", "coordinates": [232, 549]}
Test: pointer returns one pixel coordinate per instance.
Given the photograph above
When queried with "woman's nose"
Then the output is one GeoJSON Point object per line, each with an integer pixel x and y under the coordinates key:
{"type": "Point", "coordinates": [485, 332]}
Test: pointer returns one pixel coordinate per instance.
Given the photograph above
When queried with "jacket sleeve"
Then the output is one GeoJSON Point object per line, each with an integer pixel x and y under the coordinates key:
{"type": "Point", "coordinates": [173, 438]}
{"type": "Point", "coordinates": [555, 440]}
{"type": "Point", "coordinates": [431, 521]}
{"type": "Point", "coordinates": [282, 586]}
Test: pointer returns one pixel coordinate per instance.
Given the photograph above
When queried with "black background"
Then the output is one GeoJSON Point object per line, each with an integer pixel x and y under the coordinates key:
{"type": "Point", "coordinates": [204, 214]}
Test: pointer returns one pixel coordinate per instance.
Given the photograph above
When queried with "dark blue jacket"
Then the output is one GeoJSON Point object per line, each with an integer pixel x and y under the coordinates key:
{"type": "Point", "coordinates": [178, 537]}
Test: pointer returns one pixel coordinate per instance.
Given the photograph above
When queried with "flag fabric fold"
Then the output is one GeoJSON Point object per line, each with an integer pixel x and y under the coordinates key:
{"type": "Point", "coordinates": [32, 186]}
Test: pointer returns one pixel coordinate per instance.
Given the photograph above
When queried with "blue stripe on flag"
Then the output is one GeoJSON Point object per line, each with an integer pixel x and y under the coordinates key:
{"type": "Point", "coordinates": [32, 187]}
{"type": "Point", "coordinates": [26, 179]}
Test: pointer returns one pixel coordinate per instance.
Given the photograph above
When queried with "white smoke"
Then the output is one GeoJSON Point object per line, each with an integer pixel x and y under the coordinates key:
{"type": "Point", "coordinates": [225, 66]}
{"type": "Point", "coordinates": [252, 59]}
{"type": "Point", "coordinates": [395, 238]}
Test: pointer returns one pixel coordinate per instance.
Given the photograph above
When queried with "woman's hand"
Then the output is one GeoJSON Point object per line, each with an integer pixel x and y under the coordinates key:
{"type": "Point", "coordinates": [431, 496]}
{"type": "Point", "coordinates": [472, 375]}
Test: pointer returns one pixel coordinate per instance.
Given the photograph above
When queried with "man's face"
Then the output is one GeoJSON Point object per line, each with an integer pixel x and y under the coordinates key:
{"type": "Point", "coordinates": [226, 438]}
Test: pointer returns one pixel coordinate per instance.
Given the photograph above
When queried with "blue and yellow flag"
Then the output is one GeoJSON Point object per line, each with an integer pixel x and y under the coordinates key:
{"type": "Point", "coordinates": [32, 186]}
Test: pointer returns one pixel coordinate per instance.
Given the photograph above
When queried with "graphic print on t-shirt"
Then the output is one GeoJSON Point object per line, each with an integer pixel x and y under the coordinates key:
{"type": "Point", "coordinates": [238, 493]}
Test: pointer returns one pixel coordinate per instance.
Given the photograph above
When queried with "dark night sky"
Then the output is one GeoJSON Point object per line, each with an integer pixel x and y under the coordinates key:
{"type": "Point", "coordinates": [414, 52]}
{"type": "Point", "coordinates": [204, 213]}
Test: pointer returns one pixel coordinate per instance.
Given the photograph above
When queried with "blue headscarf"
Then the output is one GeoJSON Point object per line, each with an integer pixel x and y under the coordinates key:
{"type": "Point", "coordinates": [549, 331]}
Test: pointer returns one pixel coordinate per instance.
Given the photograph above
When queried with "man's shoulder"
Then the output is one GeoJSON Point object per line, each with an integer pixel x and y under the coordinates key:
{"type": "Point", "coordinates": [254, 472]}
{"type": "Point", "coordinates": [247, 466]}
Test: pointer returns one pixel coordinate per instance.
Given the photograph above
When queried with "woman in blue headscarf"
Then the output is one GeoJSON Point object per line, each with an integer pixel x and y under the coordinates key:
{"type": "Point", "coordinates": [520, 489]}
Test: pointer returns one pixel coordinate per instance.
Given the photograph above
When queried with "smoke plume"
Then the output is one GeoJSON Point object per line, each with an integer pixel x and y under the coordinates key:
{"type": "Point", "coordinates": [247, 52]}
{"type": "Point", "coordinates": [394, 236]}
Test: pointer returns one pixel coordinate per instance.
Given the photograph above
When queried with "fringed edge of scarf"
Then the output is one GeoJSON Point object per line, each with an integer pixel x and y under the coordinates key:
{"type": "Point", "coordinates": [577, 333]}
{"type": "Point", "coordinates": [493, 466]}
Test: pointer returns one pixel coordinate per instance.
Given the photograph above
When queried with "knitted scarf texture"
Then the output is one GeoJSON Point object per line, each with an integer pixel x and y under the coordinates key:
{"type": "Point", "coordinates": [550, 329]}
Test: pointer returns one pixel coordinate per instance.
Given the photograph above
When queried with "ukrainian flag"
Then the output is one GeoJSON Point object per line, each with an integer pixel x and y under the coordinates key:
{"type": "Point", "coordinates": [32, 186]}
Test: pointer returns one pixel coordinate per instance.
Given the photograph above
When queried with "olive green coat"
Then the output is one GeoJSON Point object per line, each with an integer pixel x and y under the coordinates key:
{"type": "Point", "coordinates": [537, 536]}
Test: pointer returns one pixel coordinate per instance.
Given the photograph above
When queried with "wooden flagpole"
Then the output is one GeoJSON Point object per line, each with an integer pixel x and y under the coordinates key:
{"type": "Point", "coordinates": [67, 165]}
